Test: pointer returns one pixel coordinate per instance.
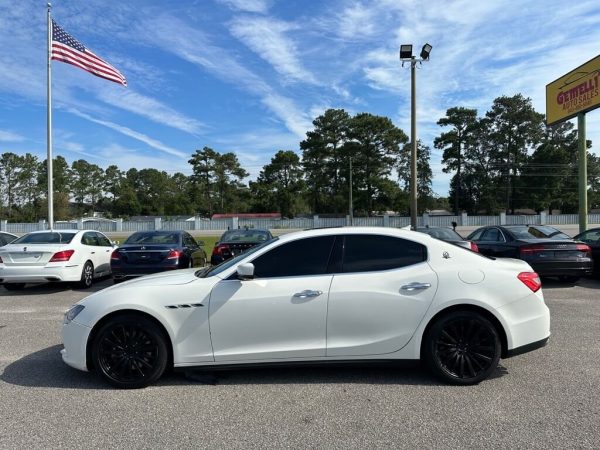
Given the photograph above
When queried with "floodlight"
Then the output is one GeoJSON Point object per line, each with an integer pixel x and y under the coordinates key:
{"type": "Point", "coordinates": [425, 51]}
{"type": "Point", "coordinates": [406, 51]}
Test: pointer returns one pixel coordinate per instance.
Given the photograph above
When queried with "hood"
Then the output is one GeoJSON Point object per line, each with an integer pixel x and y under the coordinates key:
{"type": "Point", "coordinates": [176, 277]}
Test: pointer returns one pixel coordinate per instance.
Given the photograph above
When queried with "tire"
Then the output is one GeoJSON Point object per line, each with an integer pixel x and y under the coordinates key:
{"type": "Point", "coordinates": [130, 352]}
{"type": "Point", "coordinates": [87, 275]}
{"type": "Point", "coordinates": [14, 286]}
{"type": "Point", "coordinates": [462, 347]}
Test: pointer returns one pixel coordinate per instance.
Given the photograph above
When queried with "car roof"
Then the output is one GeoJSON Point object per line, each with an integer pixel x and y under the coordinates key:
{"type": "Point", "coordinates": [337, 231]}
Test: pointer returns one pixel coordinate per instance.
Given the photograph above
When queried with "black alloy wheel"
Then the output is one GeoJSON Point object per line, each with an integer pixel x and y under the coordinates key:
{"type": "Point", "coordinates": [462, 347]}
{"type": "Point", "coordinates": [130, 352]}
{"type": "Point", "coordinates": [14, 286]}
{"type": "Point", "coordinates": [87, 275]}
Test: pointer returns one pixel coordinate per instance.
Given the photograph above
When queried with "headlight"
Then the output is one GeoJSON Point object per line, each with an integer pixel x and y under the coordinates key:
{"type": "Point", "coordinates": [72, 313]}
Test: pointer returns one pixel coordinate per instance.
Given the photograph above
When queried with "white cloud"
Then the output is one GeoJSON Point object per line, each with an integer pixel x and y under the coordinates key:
{"type": "Point", "coordinates": [357, 22]}
{"type": "Point", "coordinates": [126, 158]}
{"type": "Point", "coordinates": [132, 134]}
{"type": "Point", "coordinates": [255, 6]}
{"type": "Point", "coordinates": [9, 136]}
{"type": "Point", "coordinates": [151, 109]}
{"type": "Point", "coordinates": [267, 37]}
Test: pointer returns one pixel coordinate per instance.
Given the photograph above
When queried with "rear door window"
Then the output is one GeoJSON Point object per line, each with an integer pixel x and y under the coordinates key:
{"type": "Point", "coordinates": [366, 253]}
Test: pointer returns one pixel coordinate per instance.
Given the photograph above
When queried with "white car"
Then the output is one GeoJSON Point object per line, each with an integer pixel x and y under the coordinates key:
{"type": "Point", "coordinates": [55, 255]}
{"type": "Point", "coordinates": [326, 295]}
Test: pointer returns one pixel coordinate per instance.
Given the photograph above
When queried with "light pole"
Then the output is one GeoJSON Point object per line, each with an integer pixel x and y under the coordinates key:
{"type": "Point", "coordinates": [350, 206]}
{"type": "Point", "coordinates": [407, 56]}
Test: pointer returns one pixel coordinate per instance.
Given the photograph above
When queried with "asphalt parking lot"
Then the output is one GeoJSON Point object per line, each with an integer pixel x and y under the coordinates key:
{"type": "Point", "coordinates": [549, 398]}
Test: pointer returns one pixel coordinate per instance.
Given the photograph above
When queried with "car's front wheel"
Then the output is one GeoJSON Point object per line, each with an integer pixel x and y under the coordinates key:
{"type": "Point", "coordinates": [130, 351]}
{"type": "Point", "coordinates": [462, 347]}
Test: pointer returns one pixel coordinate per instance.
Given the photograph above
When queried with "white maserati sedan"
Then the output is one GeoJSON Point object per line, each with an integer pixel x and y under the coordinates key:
{"type": "Point", "coordinates": [326, 295]}
{"type": "Point", "coordinates": [55, 255]}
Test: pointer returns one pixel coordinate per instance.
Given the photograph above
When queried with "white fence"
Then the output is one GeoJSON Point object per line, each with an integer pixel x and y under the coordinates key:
{"type": "Point", "coordinates": [201, 224]}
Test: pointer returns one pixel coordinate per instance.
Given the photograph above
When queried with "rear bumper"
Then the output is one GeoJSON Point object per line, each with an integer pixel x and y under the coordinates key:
{"type": "Point", "coordinates": [562, 268]}
{"type": "Point", "coordinates": [527, 348]}
{"type": "Point", "coordinates": [121, 273]}
{"type": "Point", "coordinates": [43, 274]}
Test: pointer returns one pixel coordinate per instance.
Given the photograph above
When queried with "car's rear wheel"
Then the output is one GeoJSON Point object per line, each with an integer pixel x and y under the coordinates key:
{"type": "Point", "coordinates": [14, 286]}
{"type": "Point", "coordinates": [130, 352]}
{"type": "Point", "coordinates": [462, 347]}
{"type": "Point", "coordinates": [87, 275]}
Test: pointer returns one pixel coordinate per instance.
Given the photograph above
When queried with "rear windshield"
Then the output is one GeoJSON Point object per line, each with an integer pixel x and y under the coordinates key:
{"type": "Point", "coordinates": [153, 238]}
{"type": "Point", "coordinates": [254, 236]}
{"type": "Point", "coordinates": [45, 238]}
{"type": "Point", "coordinates": [442, 233]}
{"type": "Point", "coordinates": [539, 232]}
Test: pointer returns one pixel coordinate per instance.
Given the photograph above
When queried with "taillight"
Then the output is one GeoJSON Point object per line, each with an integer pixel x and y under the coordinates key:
{"type": "Point", "coordinates": [531, 249]}
{"type": "Point", "coordinates": [220, 249]}
{"type": "Point", "coordinates": [586, 249]}
{"type": "Point", "coordinates": [531, 280]}
{"type": "Point", "coordinates": [474, 247]}
{"type": "Point", "coordinates": [115, 256]}
{"type": "Point", "coordinates": [174, 254]}
{"type": "Point", "coordinates": [65, 255]}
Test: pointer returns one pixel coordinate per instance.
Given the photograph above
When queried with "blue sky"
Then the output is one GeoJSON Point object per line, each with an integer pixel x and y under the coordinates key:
{"type": "Point", "coordinates": [249, 76]}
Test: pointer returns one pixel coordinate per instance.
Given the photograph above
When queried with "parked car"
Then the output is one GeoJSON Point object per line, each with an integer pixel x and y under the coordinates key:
{"type": "Point", "coordinates": [234, 242]}
{"type": "Point", "coordinates": [53, 256]}
{"type": "Point", "coordinates": [327, 295]}
{"type": "Point", "coordinates": [448, 235]}
{"type": "Point", "coordinates": [6, 238]}
{"type": "Point", "coordinates": [591, 237]}
{"type": "Point", "coordinates": [147, 252]}
{"type": "Point", "coordinates": [549, 251]}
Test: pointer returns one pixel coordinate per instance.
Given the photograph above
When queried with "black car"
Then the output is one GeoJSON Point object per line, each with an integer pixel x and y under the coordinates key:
{"type": "Point", "coordinates": [234, 242]}
{"type": "Point", "coordinates": [592, 238]}
{"type": "Point", "coordinates": [148, 252]}
{"type": "Point", "coordinates": [448, 235]}
{"type": "Point", "coordinates": [6, 238]}
{"type": "Point", "coordinates": [548, 251]}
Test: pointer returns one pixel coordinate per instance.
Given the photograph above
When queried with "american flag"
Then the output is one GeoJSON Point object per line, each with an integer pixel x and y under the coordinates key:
{"type": "Point", "coordinates": [67, 49]}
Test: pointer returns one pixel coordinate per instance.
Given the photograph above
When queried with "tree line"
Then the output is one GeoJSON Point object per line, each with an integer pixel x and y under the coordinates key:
{"type": "Point", "coordinates": [504, 160]}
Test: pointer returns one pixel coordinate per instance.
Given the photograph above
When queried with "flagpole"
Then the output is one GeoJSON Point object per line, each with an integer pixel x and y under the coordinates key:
{"type": "Point", "coordinates": [49, 125]}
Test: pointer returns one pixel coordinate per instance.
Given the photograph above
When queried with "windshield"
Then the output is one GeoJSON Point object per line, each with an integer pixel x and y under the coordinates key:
{"type": "Point", "coordinates": [538, 233]}
{"type": "Point", "coordinates": [231, 262]}
{"type": "Point", "coordinates": [153, 238]}
{"type": "Point", "coordinates": [253, 236]}
{"type": "Point", "coordinates": [45, 238]}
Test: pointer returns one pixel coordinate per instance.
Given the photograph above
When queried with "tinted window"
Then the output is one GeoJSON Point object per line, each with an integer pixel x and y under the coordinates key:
{"type": "Point", "coordinates": [244, 235]}
{"type": "Point", "coordinates": [153, 238]}
{"type": "Point", "coordinates": [539, 232]}
{"type": "Point", "coordinates": [302, 257]}
{"type": "Point", "coordinates": [492, 235]}
{"type": "Point", "coordinates": [591, 237]}
{"type": "Point", "coordinates": [442, 233]}
{"type": "Point", "coordinates": [476, 235]}
{"type": "Point", "coordinates": [103, 240]}
{"type": "Point", "coordinates": [46, 238]}
{"type": "Point", "coordinates": [364, 253]}
{"type": "Point", "coordinates": [89, 239]}
{"type": "Point", "coordinates": [189, 241]}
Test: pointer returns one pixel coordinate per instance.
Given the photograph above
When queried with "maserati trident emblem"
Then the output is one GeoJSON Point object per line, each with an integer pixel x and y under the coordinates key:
{"type": "Point", "coordinates": [143, 248]}
{"type": "Point", "coordinates": [446, 255]}
{"type": "Point", "coordinates": [24, 249]}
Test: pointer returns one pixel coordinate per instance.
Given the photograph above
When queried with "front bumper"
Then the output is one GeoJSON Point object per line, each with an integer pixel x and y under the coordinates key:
{"type": "Point", "coordinates": [75, 337]}
{"type": "Point", "coordinates": [39, 274]}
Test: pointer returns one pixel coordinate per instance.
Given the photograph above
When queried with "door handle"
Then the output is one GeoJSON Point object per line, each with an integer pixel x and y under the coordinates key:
{"type": "Point", "coordinates": [307, 294]}
{"type": "Point", "coordinates": [416, 286]}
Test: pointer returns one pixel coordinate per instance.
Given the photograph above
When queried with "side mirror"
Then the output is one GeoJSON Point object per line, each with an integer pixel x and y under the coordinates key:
{"type": "Point", "coordinates": [200, 243]}
{"type": "Point", "coordinates": [245, 271]}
